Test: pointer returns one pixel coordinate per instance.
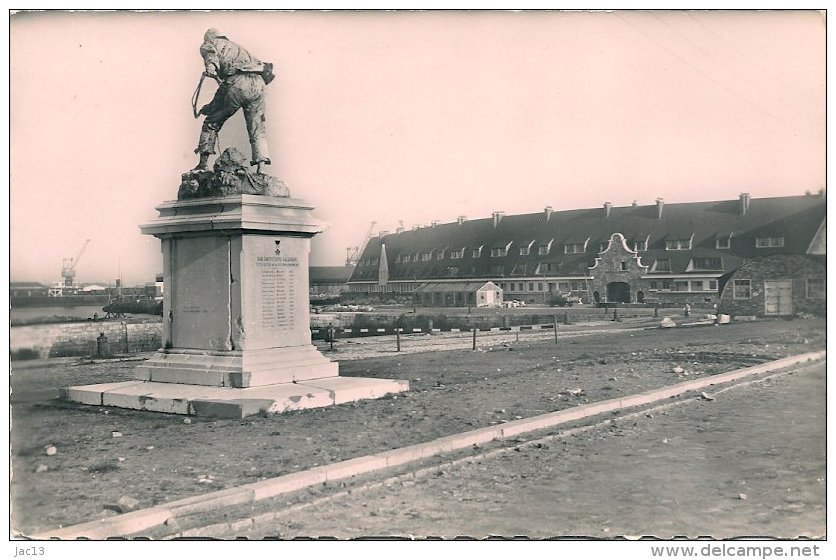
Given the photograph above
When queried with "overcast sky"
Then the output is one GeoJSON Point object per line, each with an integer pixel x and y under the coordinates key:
{"type": "Point", "coordinates": [383, 117]}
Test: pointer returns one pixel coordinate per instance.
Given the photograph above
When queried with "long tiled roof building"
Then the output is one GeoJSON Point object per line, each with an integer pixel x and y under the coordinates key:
{"type": "Point", "coordinates": [676, 252]}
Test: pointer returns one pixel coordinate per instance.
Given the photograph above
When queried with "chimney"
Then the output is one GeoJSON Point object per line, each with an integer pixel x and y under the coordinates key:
{"type": "Point", "coordinates": [660, 204]}
{"type": "Point", "coordinates": [548, 210]}
{"type": "Point", "coordinates": [497, 217]}
{"type": "Point", "coordinates": [461, 219]}
{"type": "Point", "coordinates": [744, 203]}
{"type": "Point", "coordinates": [607, 208]}
{"type": "Point", "coordinates": [415, 227]}
{"type": "Point", "coordinates": [435, 222]}
{"type": "Point", "coordinates": [635, 203]}
{"type": "Point", "coordinates": [383, 234]}
{"type": "Point", "coordinates": [399, 230]}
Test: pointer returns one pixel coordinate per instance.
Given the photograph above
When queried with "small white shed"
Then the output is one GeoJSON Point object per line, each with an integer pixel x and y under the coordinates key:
{"type": "Point", "coordinates": [458, 294]}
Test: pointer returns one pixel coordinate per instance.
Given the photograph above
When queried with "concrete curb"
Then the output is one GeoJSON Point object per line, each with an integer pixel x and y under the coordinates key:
{"type": "Point", "coordinates": [137, 522]}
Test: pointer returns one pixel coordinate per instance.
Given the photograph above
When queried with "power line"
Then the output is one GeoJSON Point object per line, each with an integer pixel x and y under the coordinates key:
{"type": "Point", "coordinates": [753, 62]}
{"type": "Point", "coordinates": [711, 78]}
{"type": "Point", "coordinates": [734, 71]}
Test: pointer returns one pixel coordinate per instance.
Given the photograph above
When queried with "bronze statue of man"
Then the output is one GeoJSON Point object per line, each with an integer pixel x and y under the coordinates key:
{"type": "Point", "coordinates": [241, 81]}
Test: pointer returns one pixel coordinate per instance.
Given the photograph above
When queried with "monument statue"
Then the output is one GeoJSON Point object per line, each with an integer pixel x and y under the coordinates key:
{"type": "Point", "coordinates": [241, 79]}
{"type": "Point", "coordinates": [236, 326]}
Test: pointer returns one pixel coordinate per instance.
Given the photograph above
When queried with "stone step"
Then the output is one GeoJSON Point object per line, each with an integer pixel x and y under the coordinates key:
{"type": "Point", "coordinates": [228, 402]}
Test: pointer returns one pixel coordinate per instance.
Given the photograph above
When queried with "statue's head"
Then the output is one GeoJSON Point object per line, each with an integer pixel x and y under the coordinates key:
{"type": "Point", "coordinates": [211, 34]}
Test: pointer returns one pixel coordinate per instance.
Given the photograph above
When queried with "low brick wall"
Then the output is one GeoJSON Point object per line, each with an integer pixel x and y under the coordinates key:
{"type": "Point", "coordinates": [79, 339]}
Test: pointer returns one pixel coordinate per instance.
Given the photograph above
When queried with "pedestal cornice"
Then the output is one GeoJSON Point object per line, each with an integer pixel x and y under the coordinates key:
{"type": "Point", "coordinates": [243, 212]}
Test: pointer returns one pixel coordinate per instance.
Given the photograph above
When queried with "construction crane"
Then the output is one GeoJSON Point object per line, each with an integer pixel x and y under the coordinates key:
{"type": "Point", "coordinates": [67, 273]}
{"type": "Point", "coordinates": [353, 253]}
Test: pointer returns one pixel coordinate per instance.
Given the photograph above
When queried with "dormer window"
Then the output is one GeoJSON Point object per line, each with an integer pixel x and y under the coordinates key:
{"type": "Point", "coordinates": [501, 250]}
{"type": "Point", "coordinates": [640, 245]}
{"type": "Point", "coordinates": [707, 263]}
{"type": "Point", "coordinates": [677, 244]}
{"type": "Point", "coordinates": [570, 248]}
{"type": "Point", "coordinates": [477, 252]}
{"type": "Point", "coordinates": [544, 249]}
{"type": "Point", "coordinates": [723, 243]}
{"type": "Point", "coordinates": [440, 255]}
{"type": "Point", "coordinates": [766, 242]}
{"type": "Point", "coordinates": [662, 265]}
{"type": "Point", "coordinates": [457, 254]}
{"type": "Point", "coordinates": [407, 257]}
{"type": "Point", "coordinates": [426, 256]}
{"type": "Point", "coordinates": [526, 249]}
{"type": "Point", "coordinates": [397, 258]}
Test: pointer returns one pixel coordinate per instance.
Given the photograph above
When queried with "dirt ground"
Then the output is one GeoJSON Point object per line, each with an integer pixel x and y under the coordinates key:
{"type": "Point", "coordinates": [157, 458]}
{"type": "Point", "coordinates": [749, 463]}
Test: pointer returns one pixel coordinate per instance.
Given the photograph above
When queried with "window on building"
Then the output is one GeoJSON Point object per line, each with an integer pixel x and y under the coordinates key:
{"type": "Point", "coordinates": [477, 252]}
{"type": "Point", "coordinates": [525, 250]}
{"type": "Point", "coordinates": [397, 258]}
{"type": "Point", "coordinates": [543, 250]}
{"type": "Point", "coordinates": [677, 244]}
{"type": "Point", "coordinates": [407, 258]}
{"type": "Point", "coordinates": [563, 286]}
{"type": "Point", "coordinates": [499, 252]}
{"type": "Point", "coordinates": [426, 256]}
{"type": "Point", "coordinates": [712, 285]}
{"type": "Point", "coordinates": [742, 289]}
{"type": "Point", "coordinates": [531, 286]}
{"type": "Point", "coordinates": [573, 248]}
{"type": "Point", "coordinates": [679, 286]}
{"type": "Point", "coordinates": [723, 243]}
{"type": "Point", "coordinates": [696, 285]}
{"type": "Point", "coordinates": [623, 265]}
{"type": "Point", "coordinates": [708, 263]}
{"type": "Point", "coordinates": [519, 270]}
{"type": "Point", "coordinates": [439, 255]}
{"type": "Point", "coordinates": [457, 254]}
{"type": "Point", "coordinates": [520, 287]}
{"type": "Point", "coordinates": [764, 242]}
{"type": "Point", "coordinates": [663, 265]}
{"type": "Point", "coordinates": [661, 284]}
{"type": "Point", "coordinates": [815, 288]}
{"type": "Point", "coordinates": [640, 245]}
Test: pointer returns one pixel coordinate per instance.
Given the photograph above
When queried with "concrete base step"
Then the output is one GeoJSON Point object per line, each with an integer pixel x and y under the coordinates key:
{"type": "Point", "coordinates": [229, 402]}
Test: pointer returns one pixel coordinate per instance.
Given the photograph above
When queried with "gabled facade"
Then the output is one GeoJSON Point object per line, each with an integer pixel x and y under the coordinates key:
{"type": "Point", "coordinates": [778, 286]}
{"type": "Point", "coordinates": [668, 252]}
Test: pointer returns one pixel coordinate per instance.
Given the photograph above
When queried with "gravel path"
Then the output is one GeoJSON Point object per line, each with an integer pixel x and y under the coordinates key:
{"type": "Point", "coordinates": [751, 462]}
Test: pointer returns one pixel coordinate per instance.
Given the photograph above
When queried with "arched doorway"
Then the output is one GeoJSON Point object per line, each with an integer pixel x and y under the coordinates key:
{"type": "Point", "coordinates": [596, 297]}
{"type": "Point", "coordinates": [618, 292]}
{"type": "Point", "coordinates": [640, 296]}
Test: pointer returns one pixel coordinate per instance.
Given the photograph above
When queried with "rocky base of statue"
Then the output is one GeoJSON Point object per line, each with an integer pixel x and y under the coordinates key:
{"type": "Point", "coordinates": [230, 175]}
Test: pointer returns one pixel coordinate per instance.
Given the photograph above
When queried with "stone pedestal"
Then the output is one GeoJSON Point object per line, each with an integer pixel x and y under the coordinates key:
{"type": "Point", "coordinates": [235, 309]}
